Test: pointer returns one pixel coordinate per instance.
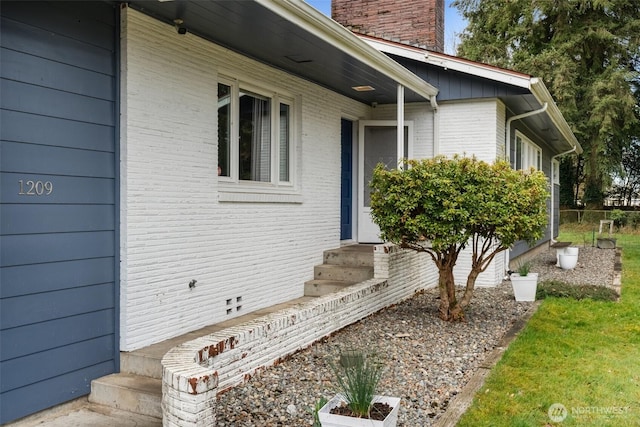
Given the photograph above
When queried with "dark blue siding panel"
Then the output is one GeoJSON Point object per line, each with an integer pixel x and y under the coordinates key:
{"type": "Point", "coordinates": [38, 42]}
{"type": "Point", "coordinates": [43, 72]}
{"type": "Point", "coordinates": [35, 397]}
{"type": "Point", "coordinates": [42, 130]}
{"type": "Point", "coordinates": [456, 85]}
{"type": "Point", "coordinates": [43, 307]}
{"type": "Point", "coordinates": [31, 279]}
{"type": "Point", "coordinates": [55, 362]}
{"type": "Point", "coordinates": [38, 337]}
{"type": "Point", "coordinates": [58, 212]}
{"type": "Point", "coordinates": [27, 98]}
{"type": "Point", "coordinates": [40, 248]}
{"type": "Point", "coordinates": [37, 219]}
{"type": "Point", "coordinates": [31, 158]}
{"type": "Point", "coordinates": [65, 189]}
{"type": "Point", "coordinates": [91, 25]}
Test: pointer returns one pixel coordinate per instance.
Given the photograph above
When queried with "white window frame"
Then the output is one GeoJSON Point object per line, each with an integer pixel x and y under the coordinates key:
{"type": "Point", "coordinates": [555, 167]}
{"type": "Point", "coordinates": [234, 189]}
{"type": "Point", "coordinates": [529, 155]}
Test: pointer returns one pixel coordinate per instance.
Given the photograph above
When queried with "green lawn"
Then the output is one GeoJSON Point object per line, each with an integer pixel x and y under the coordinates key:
{"type": "Point", "coordinates": [584, 355]}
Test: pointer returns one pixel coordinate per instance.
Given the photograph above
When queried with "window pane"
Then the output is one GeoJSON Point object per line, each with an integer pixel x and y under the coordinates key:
{"type": "Point", "coordinates": [284, 143]}
{"type": "Point", "coordinates": [255, 138]}
{"type": "Point", "coordinates": [519, 153]}
{"type": "Point", "coordinates": [224, 128]}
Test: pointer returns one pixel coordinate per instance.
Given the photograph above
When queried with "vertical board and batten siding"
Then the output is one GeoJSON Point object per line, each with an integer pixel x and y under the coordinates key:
{"type": "Point", "coordinates": [244, 256]}
{"type": "Point", "coordinates": [58, 215]}
{"type": "Point", "coordinates": [454, 85]}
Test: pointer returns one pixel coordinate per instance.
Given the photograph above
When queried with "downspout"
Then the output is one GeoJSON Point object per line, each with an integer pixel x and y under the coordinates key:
{"type": "Point", "coordinates": [436, 127]}
{"type": "Point", "coordinates": [507, 153]}
{"type": "Point", "coordinates": [518, 117]}
{"type": "Point", "coordinates": [575, 147]}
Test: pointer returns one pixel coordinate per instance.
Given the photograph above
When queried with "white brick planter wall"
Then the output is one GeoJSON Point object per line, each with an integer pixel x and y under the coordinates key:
{"type": "Point", "coordinates": [195, 372]}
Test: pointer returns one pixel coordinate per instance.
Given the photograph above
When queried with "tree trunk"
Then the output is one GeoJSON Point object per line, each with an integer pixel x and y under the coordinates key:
{"type": "Point", "coordinates": [450, 308]}
{"type": "Point", "coordinates": [471, 283]}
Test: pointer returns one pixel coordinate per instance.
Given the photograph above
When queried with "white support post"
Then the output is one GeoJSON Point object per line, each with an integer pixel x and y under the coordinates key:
{"type": "Point", "coordinates": [400, 140]}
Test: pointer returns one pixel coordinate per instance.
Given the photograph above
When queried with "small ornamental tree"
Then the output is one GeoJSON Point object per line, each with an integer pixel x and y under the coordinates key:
{"type": "Point", "coordinates": [440, 206]}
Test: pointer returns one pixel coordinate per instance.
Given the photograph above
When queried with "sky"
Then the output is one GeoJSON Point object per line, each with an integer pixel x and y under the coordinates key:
{"type": "Point", "coordinates": [453, 22]}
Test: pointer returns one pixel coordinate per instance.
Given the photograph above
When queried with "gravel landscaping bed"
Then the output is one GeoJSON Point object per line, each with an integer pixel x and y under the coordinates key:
{"type": "Point", "coordinates": [428, 361]}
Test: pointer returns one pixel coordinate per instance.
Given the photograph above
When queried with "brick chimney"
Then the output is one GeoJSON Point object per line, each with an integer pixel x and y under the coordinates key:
{"type": "Point", "coordinates": [414, 22]}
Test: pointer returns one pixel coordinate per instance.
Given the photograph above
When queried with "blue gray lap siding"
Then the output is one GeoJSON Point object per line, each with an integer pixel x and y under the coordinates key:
{"type": "Point", "coordinates": [58, 194]}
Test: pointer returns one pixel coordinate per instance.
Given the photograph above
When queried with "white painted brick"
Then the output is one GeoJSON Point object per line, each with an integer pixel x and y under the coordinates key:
{"type": "Point", "coordinates": [470, 127]}
{"type": "Point", "coordinates": [262, 342]}
{"type": "Point", "coordinates": [173, 227]}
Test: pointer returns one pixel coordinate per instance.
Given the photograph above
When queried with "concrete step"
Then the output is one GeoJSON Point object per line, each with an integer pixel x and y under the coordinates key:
{"type": "Point", "coordinates": [318, 288]}
{"type": "Point", "coordinates": [142, 363]}
{"type": "Point", "coordinates": [353, 255]}
{"type": "Point", "coordinates": [342, 273]}
{"type": "Point", "coordinates": [128, 392]}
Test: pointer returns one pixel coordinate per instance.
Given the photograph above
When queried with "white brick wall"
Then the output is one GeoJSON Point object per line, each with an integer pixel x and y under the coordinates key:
{"type": "Point", "coordinates": [173, 227]}
{"type": "Point", "coordinates": [470, 127]}
{"type": "Point", "coordinates": [195, 372]}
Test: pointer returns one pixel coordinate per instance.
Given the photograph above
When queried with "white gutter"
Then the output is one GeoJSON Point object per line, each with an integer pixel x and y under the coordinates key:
{"type": "Point", "coordinates": [507, 148]}
{"type": "Point", "coordinates": [540, 91]}
{"type": "Point", "coordinates": [313, 21]}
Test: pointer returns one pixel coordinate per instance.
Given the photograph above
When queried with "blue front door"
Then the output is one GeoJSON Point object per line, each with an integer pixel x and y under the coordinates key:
{"type": "Point", "coordinates": [58, 202]}
{"type": "Point", "coordinates": [346, 195]}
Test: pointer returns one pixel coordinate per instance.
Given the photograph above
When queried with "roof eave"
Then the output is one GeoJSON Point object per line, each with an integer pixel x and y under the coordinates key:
{"type": "Point", "coordinates": [540, 91]}
{"type": "Point", "coordinates": [449, 62]}
{"type": "Point", "coordinates": [311, 20]}
{"type": "Point", "coordinates": [535, 85]}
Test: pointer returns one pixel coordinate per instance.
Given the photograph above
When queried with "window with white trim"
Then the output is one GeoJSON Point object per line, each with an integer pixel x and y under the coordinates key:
{"type": "Point", "coordinates": [528, 155]}
{"type": "Point", "coordinates": [254, 136]}
{"type": "Point", "coordinates": [555, 165]}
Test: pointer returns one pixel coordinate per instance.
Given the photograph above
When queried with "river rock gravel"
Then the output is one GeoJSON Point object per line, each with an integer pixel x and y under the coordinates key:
{"type": "Point", "coordinates": [428, 361]}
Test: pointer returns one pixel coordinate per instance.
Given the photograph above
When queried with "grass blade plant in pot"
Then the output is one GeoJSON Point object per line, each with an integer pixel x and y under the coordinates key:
{"type": "Point", "coordinates": [357, 404]}
{"type": "Point", "coordinates": [524, 283]}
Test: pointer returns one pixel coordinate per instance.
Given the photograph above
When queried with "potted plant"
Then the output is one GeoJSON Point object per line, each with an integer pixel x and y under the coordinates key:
{"type": "Point", "coordinates": [524, 282]}
{"type": "Point", "coordinates": [357, 404]}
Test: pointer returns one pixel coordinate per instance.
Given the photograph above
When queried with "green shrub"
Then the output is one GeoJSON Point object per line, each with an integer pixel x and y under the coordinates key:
{"type": "Point", "coordinates": [558, 289]}
{"type": "Point", "coordinates": [634, 220]}
{"type": "Point", "coordinates": [619, 218]}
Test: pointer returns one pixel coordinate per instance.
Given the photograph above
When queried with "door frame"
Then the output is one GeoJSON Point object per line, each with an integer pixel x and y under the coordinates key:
{"type": "Point", "coordinates": [363, 213]}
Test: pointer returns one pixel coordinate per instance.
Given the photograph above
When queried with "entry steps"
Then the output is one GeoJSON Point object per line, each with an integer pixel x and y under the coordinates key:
{"type": "Point", "coordinates": [138, 387]}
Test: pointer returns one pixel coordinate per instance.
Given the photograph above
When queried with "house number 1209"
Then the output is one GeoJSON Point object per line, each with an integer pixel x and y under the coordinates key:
{"type": "Point", "coordinates": [35, 188]}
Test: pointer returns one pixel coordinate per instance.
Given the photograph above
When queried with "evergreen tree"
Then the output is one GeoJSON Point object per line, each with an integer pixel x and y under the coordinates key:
{"type": "Point", "coordinates": [586, 51]}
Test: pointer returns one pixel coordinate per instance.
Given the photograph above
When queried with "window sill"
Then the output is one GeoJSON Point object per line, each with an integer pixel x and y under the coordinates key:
{"type": "Point", "coordinates": [232, 194]}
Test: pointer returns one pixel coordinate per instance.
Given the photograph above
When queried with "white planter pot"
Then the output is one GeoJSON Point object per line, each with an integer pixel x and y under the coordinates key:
{"type": "Point", "coordinates": [567, 262]}
{"type": "Point", "coordinates": [327, 419]}
{"type": "Point", "coordinates": [572, 250]}
{"type": "Point", "coordinates": [524, 287]}
{"type": "Point", "coordinates": [569, 250]}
